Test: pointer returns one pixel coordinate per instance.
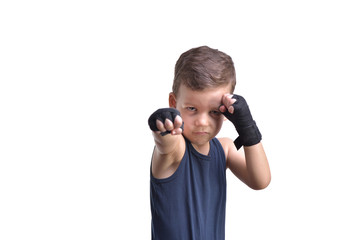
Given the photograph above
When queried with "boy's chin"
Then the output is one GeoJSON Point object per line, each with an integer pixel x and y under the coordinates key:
{"type": "Point", "coordinates": [199, 139]}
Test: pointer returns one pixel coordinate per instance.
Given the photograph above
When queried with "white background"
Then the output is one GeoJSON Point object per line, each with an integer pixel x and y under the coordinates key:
{"type": "Point", "coordinates": [78, 80]}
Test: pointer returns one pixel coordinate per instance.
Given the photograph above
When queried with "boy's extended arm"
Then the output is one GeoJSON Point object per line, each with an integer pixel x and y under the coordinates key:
{"type": "Point", "coordinates": [253, 168]}
{"type": "Point", "coordinates": [167, 128]}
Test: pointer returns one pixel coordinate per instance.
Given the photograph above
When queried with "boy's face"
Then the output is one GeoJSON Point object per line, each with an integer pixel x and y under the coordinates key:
{"type": "Point", "coordinates": [200, 112]}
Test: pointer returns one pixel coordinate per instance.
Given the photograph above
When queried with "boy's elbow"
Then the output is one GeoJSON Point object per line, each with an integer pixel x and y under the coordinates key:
{"type": "Point", "coordinates": [261, 185]}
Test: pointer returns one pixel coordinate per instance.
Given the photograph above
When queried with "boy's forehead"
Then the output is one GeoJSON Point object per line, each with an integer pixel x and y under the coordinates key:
{"type": "Point", "coordinates": [213, 90]}
{"type": "Point", "coordinates": [209, 96]}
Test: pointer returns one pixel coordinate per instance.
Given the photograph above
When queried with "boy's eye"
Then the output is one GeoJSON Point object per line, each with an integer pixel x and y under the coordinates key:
{"type": "Point", "coordinates": [191, 109]}
{"type": "Point", "coordinates": [215, 112]}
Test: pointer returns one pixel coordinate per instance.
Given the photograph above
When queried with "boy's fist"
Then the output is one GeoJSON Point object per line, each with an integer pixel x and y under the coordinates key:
{"type": "Point", "coordinates": [166, 120]}
{"type": "Point", "coordinates": [237, 111]}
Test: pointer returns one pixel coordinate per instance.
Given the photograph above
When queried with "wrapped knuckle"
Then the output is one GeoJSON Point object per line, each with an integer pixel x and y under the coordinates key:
{"type": "Point", "coordinates": [168, 124]}
{"type": "Point", "coordinates": [160, 125]}
{"type": "Point", "coordinates": [163, 120]}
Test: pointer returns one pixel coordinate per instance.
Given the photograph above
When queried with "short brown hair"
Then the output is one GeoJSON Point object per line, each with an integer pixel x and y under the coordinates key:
{"type": "Point", "coordinates": [204, 67]}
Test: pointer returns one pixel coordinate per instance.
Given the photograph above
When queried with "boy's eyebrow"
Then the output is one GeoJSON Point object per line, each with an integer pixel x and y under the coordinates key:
{"type": "Point", "coordinates": [187, 103]}
{"type": "Point", "coordinates": [212, 106]}
{"type": "Point", "coordinates": [216, 108]}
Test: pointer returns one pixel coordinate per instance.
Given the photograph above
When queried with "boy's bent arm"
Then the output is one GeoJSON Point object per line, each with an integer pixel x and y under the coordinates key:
{"type": "Point", "coordinates": [257, 166]}
{"type": "Point", "coordinates": [252, 167]}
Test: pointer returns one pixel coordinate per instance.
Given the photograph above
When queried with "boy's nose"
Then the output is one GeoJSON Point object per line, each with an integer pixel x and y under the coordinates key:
{"type": "Point", "coordinates": [201, 121]}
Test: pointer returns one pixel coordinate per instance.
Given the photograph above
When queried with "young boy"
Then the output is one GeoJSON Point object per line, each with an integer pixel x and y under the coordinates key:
{"type": "Point", "coordinates": [188, 167]}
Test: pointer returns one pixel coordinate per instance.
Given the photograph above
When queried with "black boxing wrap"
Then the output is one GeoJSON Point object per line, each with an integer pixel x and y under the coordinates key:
{"type": "Point", "coordinates": [162, 114]}
{"type": "Point", "coordinates": [249, 133]}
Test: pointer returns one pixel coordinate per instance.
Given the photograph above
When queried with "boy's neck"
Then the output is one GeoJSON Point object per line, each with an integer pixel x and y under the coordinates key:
{"type": "Point", "coordinates": [203, 149]}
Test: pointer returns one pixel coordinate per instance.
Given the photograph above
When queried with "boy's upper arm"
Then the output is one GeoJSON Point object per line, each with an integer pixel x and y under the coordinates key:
{"type": "Point", "coordinates": [235, 160]}
{"type": "Point", "coordinates": [164, 165]}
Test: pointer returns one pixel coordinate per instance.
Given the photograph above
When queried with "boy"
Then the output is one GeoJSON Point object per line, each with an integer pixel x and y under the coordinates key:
{"type": "Point", "coordinates": [188, 167]}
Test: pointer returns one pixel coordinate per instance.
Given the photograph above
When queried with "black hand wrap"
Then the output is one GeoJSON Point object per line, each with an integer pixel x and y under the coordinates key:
{"type": "Point", "coordinates": [162, 114]}
{"type": "Point", "coordinates": [249, 133]}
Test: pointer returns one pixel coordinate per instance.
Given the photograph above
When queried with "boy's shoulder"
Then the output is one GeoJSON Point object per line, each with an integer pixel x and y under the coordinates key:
{"type": "Point", "coordinates": [225, 142]}
{"type": "Point", "coordinates": [227, 145]}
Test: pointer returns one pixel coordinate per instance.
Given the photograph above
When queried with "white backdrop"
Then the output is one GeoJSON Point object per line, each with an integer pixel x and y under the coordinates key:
{"type": "Point", "coordinates": [78, 80]}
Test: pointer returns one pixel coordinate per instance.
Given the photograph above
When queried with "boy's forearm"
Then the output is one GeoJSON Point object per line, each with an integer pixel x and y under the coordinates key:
{"type": "Point", "coordinates": [165, 144]}
{"type": "Point", "coordinates": [257, 166]}
{"type": "Point", "coordinates": [167, 126]}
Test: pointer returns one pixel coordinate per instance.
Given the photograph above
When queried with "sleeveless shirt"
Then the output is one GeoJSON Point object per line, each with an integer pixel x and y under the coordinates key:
{"type": "Point", "coordinates": [190, 204]}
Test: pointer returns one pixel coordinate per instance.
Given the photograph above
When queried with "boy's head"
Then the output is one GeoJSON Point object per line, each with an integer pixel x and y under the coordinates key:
{"type": "Point", "coordinates": [202, 77]}
{"type": "Point", "coordinates": [202, 68]}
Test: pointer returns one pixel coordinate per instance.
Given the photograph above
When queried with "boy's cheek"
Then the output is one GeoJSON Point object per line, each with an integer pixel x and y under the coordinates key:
{"type": "Point", "coordinates": [184, 117]}
{"type": "Point", "coordinates": [219, 123]}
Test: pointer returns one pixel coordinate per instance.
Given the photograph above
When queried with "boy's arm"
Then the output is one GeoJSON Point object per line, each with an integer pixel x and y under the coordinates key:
{"type": "Point", "coordinates": [251, 166]}
{"type": "Point", "coordinates": [169, 143]}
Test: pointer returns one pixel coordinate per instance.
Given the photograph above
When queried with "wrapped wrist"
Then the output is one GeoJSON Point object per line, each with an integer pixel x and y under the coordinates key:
{"type": "Point", "coordinates": [248, 136]}
{"type": "Point", "coordinates": [249, 133]}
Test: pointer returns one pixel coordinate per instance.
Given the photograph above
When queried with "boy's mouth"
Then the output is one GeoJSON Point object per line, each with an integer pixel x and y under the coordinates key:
{"type": "Point", "coordinates": [201, 133]}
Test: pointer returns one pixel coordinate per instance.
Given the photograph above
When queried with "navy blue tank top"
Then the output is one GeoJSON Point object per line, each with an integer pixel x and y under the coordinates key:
{"type": "Point", "coordinates": [190, 204]}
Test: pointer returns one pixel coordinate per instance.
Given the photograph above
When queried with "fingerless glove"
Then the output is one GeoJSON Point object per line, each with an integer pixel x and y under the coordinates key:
{"type": "Point", "coordinates": [162, 114]}
{"type": "Point", "coordinates": [249, 133]}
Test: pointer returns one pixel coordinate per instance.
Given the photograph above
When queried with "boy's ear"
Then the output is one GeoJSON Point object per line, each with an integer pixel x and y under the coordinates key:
{"type": "Point", "coordinates": [172, 100]}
